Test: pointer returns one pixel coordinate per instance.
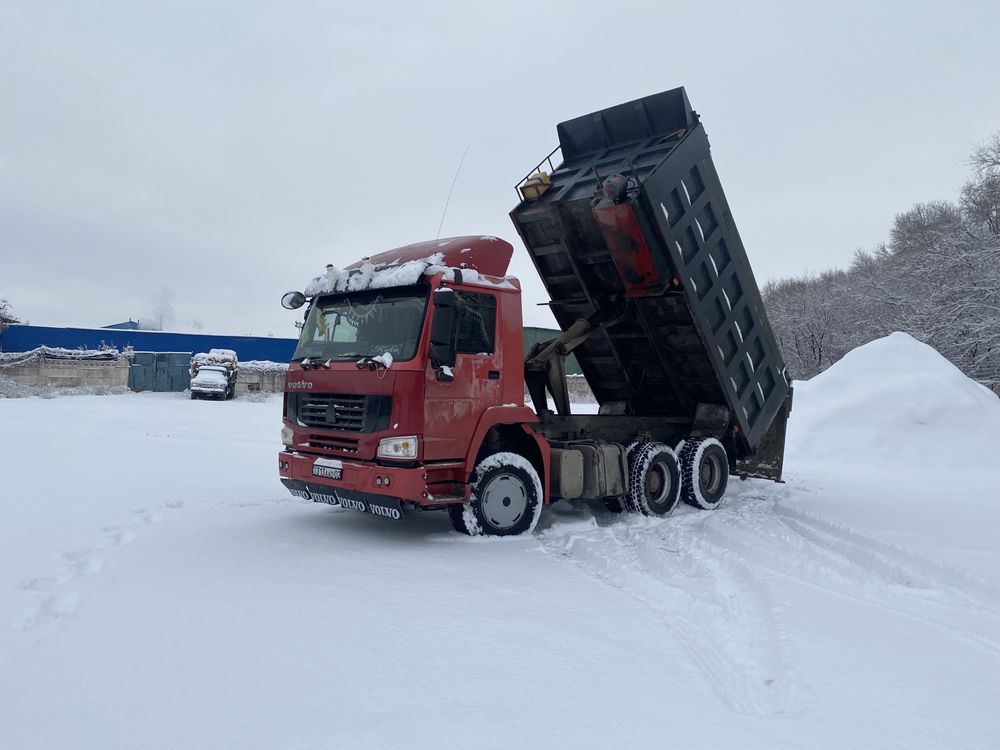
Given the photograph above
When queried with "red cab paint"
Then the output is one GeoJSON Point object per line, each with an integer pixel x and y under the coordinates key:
{"type": "Point", "coordinates": [449, 418]}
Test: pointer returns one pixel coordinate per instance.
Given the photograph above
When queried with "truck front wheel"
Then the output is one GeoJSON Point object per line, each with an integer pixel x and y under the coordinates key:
{"type": "Point", "coordinates": [506, 498]}
{"type": "Point", "coordinates": [704, 472]}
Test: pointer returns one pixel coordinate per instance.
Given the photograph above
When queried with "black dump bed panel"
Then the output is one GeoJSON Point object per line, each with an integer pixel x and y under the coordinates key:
{"type": "Point", "coordinates": [668, 254]}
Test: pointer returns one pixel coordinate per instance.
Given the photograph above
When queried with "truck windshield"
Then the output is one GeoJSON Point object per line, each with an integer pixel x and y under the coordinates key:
{"type": "Point", "coordinates": [364, 324]}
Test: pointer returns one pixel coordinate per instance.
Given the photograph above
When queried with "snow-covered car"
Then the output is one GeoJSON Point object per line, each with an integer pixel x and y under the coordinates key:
{"type": "Point", "coordinates": [216, 364]}
{"type": "Point", "coordinates": [212, 381]}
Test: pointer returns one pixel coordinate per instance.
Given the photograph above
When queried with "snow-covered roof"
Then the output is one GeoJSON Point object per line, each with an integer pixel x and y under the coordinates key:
{"type": "Point", "coordinates": [369, 276]}
{"type": "Point", "coordinates": [481, 261]}
{"type": "Point", "coordinates": [263, 366]}
{"type": "Point", "coordinates": [20, 358]}
{"type": "Point", "coordinates": [215, 357]}
{"type": "Point", "coordinates": [487, 254]}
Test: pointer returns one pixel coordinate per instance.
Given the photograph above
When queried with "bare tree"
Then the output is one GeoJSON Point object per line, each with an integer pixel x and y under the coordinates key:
{"type": "Point", "coordinates": [6, 313]}
{"type": "Point", "coordinates": [938, 279]}
{"type": "Point", "coordinates": [985, 158]}
{"type": "Point", "coordinates": [981, 203]}
{"type": "Point", "coordinates": [981, 195]}
{"type": "Point", "coordinates": [807, 315]}
{"type": "Point", "coordinates": [923, 225]}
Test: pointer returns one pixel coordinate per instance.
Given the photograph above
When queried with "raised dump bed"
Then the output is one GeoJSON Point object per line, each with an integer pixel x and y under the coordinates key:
{"type": "Point", "coordinates": [633, 230]}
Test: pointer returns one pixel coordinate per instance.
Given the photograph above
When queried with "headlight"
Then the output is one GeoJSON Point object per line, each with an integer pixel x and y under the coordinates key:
{"type": "Point", "coordinates": [399, 447]}
{"type": "Point", "coordinates": [287, 436]}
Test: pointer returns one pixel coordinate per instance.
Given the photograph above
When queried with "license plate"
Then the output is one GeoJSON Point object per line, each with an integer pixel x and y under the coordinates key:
{"type": "Point", "coordinates": [327, 472]}
{"type": "Point", "coordinates": [328, 468]}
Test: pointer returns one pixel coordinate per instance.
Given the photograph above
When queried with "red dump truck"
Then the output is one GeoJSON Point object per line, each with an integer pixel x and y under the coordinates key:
{"type": "Point", "coordinates": [407, 389]}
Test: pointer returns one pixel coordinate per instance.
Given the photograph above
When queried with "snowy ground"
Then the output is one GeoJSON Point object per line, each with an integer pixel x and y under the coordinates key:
{"type": "Point", "coordinates": [160, 589]}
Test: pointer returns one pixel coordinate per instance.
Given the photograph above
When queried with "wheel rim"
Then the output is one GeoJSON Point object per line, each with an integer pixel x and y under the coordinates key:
{"type": "Point", "coordinates": [505, 501]}
{"type": "Point", "coordinates": [657, 484]}
{"type": "Point", "coordinates": [710, 475]}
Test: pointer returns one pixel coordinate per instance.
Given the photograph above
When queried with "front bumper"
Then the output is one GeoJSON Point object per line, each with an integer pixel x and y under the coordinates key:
{"type": "Point", "coordinates": [421, 486]}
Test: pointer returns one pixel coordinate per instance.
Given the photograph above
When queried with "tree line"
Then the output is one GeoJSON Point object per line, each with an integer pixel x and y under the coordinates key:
{"type": "Point", "coordinates": [937, 278]}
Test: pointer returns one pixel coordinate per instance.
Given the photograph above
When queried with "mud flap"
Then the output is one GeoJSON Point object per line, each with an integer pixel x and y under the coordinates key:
{"type": "Point", "coordinates": [768, 462]}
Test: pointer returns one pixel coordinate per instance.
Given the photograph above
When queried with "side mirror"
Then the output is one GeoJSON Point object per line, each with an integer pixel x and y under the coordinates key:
{"type": "Point", "coordinates": [293, 300]}
{"type": "Point", "coordinates": [442, 348]}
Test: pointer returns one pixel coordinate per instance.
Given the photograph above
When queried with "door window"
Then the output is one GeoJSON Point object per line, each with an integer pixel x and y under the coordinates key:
{"type": "Point", "coordinates": [477, 320]}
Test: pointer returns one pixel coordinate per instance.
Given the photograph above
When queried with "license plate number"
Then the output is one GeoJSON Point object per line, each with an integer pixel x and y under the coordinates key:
{"type": "Point", "coordinates": [328, 472]}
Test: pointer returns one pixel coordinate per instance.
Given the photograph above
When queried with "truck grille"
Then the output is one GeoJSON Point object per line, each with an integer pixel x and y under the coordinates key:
{"type": "Point", "coordinates": [342, 412]}
{"type": "Point", "coordinates": [323, 442]}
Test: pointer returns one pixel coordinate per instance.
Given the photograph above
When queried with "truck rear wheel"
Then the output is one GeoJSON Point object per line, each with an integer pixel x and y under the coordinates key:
{"type": "Point", "coordinates": [654, 480]}
{"type": "Point", "coordinates": [704, 472]}
{"type": "Point", "coordinates": [506, 498]}
{"type": "Point", "coordinates": [614, 504]}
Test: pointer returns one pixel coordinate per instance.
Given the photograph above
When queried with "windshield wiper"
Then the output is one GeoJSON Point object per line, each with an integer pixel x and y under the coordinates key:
{"type": "Point", "coordinates": [316, 362]}
{"type": "Point", "coordinates": [309, 362]}
{"type": "Point", "coordinates": [372, 362]}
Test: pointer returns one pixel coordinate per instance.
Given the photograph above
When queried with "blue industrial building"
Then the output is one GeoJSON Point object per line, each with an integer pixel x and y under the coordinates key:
{"type": "Point", "coordinates": [23, 338]}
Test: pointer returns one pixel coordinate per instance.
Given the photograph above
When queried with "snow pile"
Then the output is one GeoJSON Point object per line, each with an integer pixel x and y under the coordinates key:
{"type": "Point", "coordinates": [893, 401]}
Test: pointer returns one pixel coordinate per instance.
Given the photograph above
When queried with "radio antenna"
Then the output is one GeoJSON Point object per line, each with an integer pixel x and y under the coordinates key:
{"type": "Point", "coordinates": [457, 171]}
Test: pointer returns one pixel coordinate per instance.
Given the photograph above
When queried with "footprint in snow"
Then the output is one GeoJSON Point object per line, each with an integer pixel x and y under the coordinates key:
{"type": "Point", "coordinates": [122, 538]}
{"type": "Point", "coordinates": [59, 600]}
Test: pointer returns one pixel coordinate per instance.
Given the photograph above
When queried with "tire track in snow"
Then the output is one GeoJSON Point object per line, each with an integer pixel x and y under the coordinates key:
{"type": "Point", "coordinates": [722, 614]}
{"type": "Point", "coordinates": [890, 558]}
{"type": "Point", "coordinates": [806, 547]}
{"type": "Point", "coordinates": [57, 594]}
{"type": "Point", "coordinates": [711, 577]}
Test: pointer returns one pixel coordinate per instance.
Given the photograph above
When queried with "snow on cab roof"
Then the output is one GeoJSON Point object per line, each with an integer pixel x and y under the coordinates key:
{"type": "Point", "coordinates": [481, 261]}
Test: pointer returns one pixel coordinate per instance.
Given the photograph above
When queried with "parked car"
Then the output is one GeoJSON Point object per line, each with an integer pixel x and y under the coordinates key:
{"type": "Point", "coordinates": [213, 374]}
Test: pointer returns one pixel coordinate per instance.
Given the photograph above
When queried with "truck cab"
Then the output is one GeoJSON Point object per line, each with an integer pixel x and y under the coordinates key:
{"type": "Point", "coordinates": [403, 370]}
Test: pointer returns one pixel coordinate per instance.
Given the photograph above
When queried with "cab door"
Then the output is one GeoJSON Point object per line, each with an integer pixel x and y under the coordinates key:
{"type": "Point", "coordinates": [452, 408]}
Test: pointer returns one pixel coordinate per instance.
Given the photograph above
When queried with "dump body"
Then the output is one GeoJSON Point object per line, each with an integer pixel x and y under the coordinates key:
{"type": "Point", "coordinates": [659, 254]}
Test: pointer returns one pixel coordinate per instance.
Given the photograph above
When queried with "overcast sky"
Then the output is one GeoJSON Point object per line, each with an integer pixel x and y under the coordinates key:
{"type": "Point", "coordinates": [197, 160]}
